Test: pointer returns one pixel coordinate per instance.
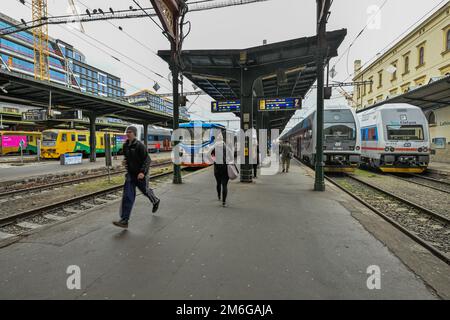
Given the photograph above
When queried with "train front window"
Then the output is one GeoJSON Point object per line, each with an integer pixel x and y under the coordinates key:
{"type": "Point", "coordinates": [198, 135]}
{"type": "Point", "coordinates": [49, 138]}
{"type": "Point", "coordinates": [405, 132]}
{"type": "Point", "coordinates": [339, 131]}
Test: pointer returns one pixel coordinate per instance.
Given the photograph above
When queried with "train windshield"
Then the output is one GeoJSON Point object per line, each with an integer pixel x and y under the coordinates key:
{"type": "Point", "coordinates": [339, 131]}
{"type": "Point", "coordinates": [49, 138]}
{"type": "Point", "coordinates": [405, 132]}
{"type": "Point", "coordinates": [339, 125]}
{"type": "Point", "coordinates": [198, 135]}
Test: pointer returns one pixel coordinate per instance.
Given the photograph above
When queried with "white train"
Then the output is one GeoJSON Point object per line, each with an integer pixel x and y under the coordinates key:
{"type": "Point", "coordinates": [341, 143]}
{"type": "Point", "coordinates": [159, 138]}
{"type": "Point", "coordinates": [395, 138]}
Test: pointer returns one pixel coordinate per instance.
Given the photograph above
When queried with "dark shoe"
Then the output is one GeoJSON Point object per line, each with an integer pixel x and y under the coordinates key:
{"type": "Point", "coordinates": [156, 206]}
{"type": "Point", "coordinates": [121, 223]}
{"type": "Point", "coordinates": [282, 171]}
{"type": "Point", "coordinates": [224, 204]}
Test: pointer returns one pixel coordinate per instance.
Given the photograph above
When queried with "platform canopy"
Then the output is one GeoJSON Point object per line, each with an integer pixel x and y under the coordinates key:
{"type": "Point", "coordinates": [23, 89]}
{"type": "Point", "coordinates": [282, 69]}
{"type": "Point", "coordinates": [434, 95]}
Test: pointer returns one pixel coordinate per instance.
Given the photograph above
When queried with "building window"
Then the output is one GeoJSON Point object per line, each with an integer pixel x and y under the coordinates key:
{"type": "Point", "coordinates": [406, 69]}
{"type": "Point", "coordinates": [371, 85]}
{"type": "Point", "coordinates": [394, 73]}
{"type": "Point", "coordinates": [380, 79]}
{"type": "Point", "coordinates": [421, 56]}
{"type": "Point", "coordinates": [448, 41]}
{"type": "Point", "coordinates": [432, 118]}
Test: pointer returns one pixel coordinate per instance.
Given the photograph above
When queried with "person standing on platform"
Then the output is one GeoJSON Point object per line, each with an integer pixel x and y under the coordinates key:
{"type": "Point", "coordinates": [286, 155]}
{"type": "Point", "coordinates": [137, 162]}
{"type": "Point", "coordinates": [221, 170]}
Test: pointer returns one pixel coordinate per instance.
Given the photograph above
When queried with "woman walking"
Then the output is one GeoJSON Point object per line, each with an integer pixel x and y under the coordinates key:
{"type": "Point", "coordinates": [221, 171]}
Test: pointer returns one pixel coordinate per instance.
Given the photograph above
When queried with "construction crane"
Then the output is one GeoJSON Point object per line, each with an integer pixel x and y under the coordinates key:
{"type": "Point", "coordinates": [40, 39]}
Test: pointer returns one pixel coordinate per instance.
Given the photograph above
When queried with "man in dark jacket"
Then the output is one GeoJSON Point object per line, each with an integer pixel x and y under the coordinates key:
{"type": "Point", "coordinates": [137, 162]}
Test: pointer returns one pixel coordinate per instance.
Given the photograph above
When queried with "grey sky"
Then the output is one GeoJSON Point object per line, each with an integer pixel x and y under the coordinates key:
{"type": "Point", "coordinates": [233, 27]}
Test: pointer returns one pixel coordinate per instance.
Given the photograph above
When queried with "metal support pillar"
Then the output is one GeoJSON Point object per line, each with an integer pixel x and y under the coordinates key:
{"type": "Point", "coordinates": [246, 124]}
{"type": "Point", "coordinates": [145, 124]}
{"type": "Point", "coordinates": [176, 106]}
{"type": "Point", "coordinates": [322, 14]}
{"type": "Point", "coordinates": [92, 138]}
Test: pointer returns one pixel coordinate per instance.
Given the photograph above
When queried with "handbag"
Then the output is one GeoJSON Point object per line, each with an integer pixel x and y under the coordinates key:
{"type": "Point", "coordinates": [233, 171]}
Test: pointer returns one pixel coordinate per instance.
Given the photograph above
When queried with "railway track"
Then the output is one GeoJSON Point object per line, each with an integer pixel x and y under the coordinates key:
{"type": "Point", "coordinates": [426, 227]}
{"type": "Point", "coordinates": [424, 181]}
{"type": "Point", "coordinates": [22, 223]}
{"type": "Point", "coordinates": [39, 188]}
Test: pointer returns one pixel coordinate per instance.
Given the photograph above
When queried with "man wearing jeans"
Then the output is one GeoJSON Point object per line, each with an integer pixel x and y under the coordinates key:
{"type": "Point", "coordinates": [137, 162]}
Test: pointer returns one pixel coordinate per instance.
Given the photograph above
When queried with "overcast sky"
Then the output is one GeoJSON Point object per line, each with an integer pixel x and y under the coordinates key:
{"type": "Point", "coordinates": [227, 28]}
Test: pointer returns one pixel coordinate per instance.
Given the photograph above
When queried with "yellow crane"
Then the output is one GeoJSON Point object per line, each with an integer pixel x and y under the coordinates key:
{"type": "Point", "coordinates": [40, 35]}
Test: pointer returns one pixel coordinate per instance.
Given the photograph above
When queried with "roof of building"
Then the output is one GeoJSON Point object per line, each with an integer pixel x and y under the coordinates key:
{"type": "Point", "coordinates": [434, 95]}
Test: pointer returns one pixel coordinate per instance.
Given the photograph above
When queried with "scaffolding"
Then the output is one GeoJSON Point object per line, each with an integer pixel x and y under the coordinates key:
{"type": "Point", "coordinates": [40, 37]}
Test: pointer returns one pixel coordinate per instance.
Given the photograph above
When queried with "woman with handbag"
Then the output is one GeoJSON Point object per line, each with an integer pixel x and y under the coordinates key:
{"type": "Point", "coordinates": [221, 170]}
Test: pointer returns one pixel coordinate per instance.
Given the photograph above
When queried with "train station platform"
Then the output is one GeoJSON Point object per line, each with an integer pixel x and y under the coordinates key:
{"type": "Point", "coordinates": [277, 239]}
{"type": "Point", "coordinates": [14, 171]}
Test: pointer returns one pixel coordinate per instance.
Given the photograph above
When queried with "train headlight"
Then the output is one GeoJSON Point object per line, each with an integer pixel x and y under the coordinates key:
{"type": "Point", "coordinates": [181, 154]}
{"type": "Point", "coordinates": [392, 149]}
{"type": "Point", "coordinates": [386, 149]}
{"type": "Point", "coordinates": [420, 149]}
{"type": "Point", "coordinates": [425, 149]}
{"type": "Point", "coordinates": [357, 148]}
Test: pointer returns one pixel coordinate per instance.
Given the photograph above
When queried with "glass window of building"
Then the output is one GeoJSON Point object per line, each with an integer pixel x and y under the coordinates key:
{"type": "Point", "coordinates": [421, 56]}
{"type": "Point", "coordinates": [448, 41]}
{"type": "Point", "coordinates": [406, 68]}
{"type": "Point", "coordinates": [380, 79]}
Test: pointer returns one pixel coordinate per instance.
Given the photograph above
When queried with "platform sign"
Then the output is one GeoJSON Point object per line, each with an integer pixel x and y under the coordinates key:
{"type": "Point", "coordinates": [226, 106]}
{"type": "Point", "coordinates": [71, 158]}
{"type": "Point", "coordinates": [280, 104]}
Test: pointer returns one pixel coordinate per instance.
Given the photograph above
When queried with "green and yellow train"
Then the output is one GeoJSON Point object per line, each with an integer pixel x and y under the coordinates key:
{"type": "Point", "coordinates": [11, 141]}
{"type": "Point", "coordinates": [56, 142]}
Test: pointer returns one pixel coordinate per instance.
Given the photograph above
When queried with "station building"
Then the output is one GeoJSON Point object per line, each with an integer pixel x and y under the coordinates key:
{"type": "Point", "coordinates": [67, 65]}
{"type": "Point", "coordinates": [419, 59]}
{"type": "Point", "coordinates": [149, 99]}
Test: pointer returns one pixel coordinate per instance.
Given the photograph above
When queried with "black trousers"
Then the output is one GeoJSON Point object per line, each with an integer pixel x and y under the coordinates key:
{"type": "Point", "coordinates": [222, 185]}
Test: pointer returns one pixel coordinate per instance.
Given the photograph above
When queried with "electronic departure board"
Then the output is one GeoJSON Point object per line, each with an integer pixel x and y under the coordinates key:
{"type": "Point", "coordinates": [280, 104]}
{"type": "Point", "coordinates": [225, 106]}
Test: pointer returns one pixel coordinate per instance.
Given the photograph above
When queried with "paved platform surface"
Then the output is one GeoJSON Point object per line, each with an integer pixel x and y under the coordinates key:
{"type": "Point", "coordinates": [439, 167]}
{"type": "Point", "coordinates": [278, 239]}
{"type": "Point", "coordinates": [14, 172]}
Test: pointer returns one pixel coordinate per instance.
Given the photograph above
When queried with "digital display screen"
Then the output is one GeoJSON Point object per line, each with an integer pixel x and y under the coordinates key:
{"type": "Point", "coordinates": [278, 104]}
{"type": "Point", "coordinates": [225, 106]}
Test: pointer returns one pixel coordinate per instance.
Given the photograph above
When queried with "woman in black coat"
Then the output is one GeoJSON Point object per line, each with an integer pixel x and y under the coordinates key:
{"type": "Point", "coordinates": [221, 173]}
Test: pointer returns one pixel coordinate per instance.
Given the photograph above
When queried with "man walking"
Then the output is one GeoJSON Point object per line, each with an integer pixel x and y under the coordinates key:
{"type": "Point", "coordinates": [286, 155]}
{"type": "Point", "coordinates": [137, 162]}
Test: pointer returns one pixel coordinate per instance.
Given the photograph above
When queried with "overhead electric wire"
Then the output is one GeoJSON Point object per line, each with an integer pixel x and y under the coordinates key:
{"type": "Point", "coordinates": [400, 36]}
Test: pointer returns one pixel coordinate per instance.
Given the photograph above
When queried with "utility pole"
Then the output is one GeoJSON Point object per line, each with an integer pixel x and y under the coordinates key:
{"type": "Point", "coordinates": [170, 12]}
{"type": "Point", "coordinates": [323, 7]}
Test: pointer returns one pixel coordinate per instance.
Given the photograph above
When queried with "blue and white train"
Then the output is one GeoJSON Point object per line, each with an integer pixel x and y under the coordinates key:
{"type": "Point", "coordinates": [195, 147]}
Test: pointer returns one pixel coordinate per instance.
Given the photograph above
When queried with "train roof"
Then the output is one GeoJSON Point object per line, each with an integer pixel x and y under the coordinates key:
{"type": "Point", "coordinates": [197, 124]}
{"type": "Point", "coordinates": [390, 106]}
{"type": "Point", "coordinates": [311, 111]}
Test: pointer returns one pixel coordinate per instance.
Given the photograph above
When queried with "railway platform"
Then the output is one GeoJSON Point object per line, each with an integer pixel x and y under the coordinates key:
{"type": "Point", "coordinates": [13, 171]}
{"type": "Point", "coordinates": [277, 239]}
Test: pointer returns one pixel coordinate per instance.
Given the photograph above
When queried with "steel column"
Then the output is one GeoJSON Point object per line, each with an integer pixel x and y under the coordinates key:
{"type": "Point", "coordinates": [92, 138]}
